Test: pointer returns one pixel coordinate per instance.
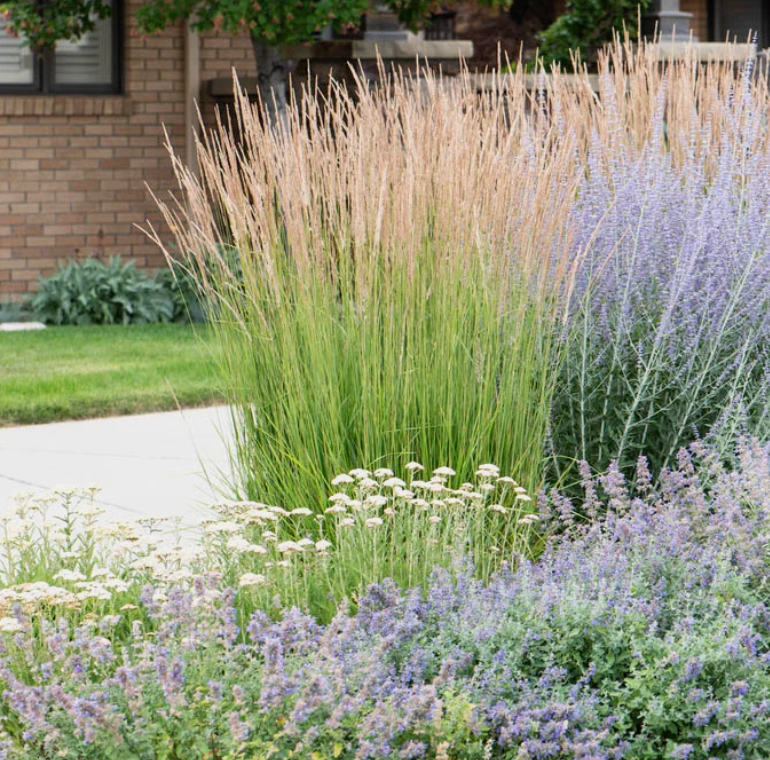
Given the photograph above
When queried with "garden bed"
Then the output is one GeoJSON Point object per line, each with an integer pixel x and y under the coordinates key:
{"type": "Point", "coordinates": [574, 287]}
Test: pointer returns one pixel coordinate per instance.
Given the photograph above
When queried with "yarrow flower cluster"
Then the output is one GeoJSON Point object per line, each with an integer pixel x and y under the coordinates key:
{"type": "Point", "coordinates": [377, 525]}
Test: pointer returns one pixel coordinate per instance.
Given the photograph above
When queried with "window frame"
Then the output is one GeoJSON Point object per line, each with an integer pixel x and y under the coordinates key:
{"type": "Point", "coordinates": [44, 69]}
{"type": "Point", "coordinates": [713, 10]}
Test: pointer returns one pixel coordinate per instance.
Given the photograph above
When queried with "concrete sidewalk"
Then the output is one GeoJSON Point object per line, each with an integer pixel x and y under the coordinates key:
{"type": "Point", "coordinates": [149, 464]}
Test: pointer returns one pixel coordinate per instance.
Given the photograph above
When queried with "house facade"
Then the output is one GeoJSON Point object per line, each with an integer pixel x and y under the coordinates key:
{"type": "Point", "coordinates": [81, 138]}
{"type": "Point", "coordinates": [719, 20]}
{"type": "Point", "coordinates": [82, 131]}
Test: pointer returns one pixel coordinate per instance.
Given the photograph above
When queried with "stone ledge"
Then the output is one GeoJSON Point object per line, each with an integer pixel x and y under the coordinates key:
{"type": "Point", "coordinates": [704, 51]}
{"type": "Point", "coordinates": [388, 50]}
{"type": "Point", "coordinates": [65, 105]}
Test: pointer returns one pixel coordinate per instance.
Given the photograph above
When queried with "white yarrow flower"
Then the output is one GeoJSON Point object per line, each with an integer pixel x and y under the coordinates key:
{"type": "Point", "coordinates": [238, 544]}
{"type": "Point", "coordinates": [251, 579]}
{"type": "Point", "coordinates": [116, 584]}
{"type": "Point", "coordinates": [289, 547]}
{"type": "Point", "coordinates": [10, 625]}
{"type": "Point", "coordinates": [343, 480]}
{"type": "Point", "coordinates": [90, 510]}
{"type": "Point", "coordinates": [69, 575]}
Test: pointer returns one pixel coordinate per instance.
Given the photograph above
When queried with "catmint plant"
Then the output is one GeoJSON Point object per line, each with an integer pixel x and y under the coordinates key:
{"type": "Point", "coordinates": [641, 634]}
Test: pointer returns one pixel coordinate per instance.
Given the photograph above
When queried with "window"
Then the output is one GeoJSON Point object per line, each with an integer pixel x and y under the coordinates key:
{"type": "Point", "coordinates": [90, 65]}
{"type": "Point", "coordinates": [738, 19]}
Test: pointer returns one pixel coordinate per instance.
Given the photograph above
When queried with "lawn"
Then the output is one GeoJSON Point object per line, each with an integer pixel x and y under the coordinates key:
{"type": "Point", "coordinates": [76, 372]}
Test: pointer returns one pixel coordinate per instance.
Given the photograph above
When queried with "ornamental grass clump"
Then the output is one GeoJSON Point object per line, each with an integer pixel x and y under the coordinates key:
{"type": "Point", "coordinates": [385, 271]}
{"type": "Point", "coordinates": [641, 634]}
{"type": "Point", "coordinates": [389, 270]}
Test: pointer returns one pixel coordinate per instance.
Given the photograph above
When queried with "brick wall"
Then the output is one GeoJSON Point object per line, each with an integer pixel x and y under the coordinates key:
{"type": "Point", "coordinates": [699, 23]}
{"type": "Point", "coordinates": [73, 168]}
{"type": "Point", "coordinates": [220, 53]}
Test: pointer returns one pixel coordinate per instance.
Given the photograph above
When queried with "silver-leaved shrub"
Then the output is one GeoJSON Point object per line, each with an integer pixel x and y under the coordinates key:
{"type": "Point", "coordinates": [670, 322]}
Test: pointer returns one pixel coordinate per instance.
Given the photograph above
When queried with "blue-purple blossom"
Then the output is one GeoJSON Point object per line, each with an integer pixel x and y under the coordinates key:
{"type": "Point", "coordinates": [658, 602]}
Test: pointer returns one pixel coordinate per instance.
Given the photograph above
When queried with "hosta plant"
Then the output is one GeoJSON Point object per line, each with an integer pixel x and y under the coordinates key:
{"type": "Point", "coordinates": [91, 292]}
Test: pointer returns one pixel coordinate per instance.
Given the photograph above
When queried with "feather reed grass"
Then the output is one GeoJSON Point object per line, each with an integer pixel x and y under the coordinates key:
{"type": "Point", "coordinates": [386, 270]}
{"type": "Point", "coordinates": [392, 267]}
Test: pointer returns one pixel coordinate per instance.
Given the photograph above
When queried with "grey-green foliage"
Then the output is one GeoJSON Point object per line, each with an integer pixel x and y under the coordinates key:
{"type": "Point", "coordinates": [91, 292]}
{"type": "Point", "coordinates": [188, 301]}
{"type": "Point", "coordinates": [11, 312]}
{"type": "Point", "coordinates": [670, 336]}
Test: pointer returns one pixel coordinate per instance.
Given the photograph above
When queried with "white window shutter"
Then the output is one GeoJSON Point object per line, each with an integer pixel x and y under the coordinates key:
{"type": "Point", "coordinates": [15, 60]}
{"type": "Point", "coordinates": [88, 60]}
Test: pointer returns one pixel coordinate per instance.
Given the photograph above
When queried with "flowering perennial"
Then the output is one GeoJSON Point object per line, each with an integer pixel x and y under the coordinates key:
{"type": "Point", "coordinates": [641, 633]}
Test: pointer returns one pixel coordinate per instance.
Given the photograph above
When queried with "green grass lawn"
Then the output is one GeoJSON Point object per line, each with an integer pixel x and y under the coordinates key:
{"type": "Point", "coordinates": [74, 372]}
